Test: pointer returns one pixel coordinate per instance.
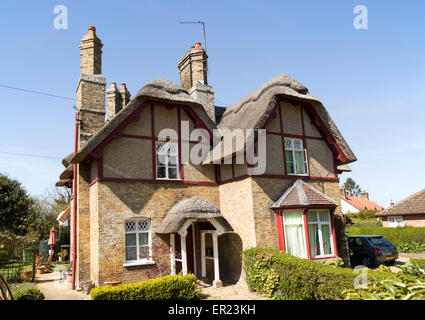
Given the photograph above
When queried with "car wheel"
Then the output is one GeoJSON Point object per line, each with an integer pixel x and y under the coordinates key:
{"type": "Point", "coordinates": [367, 261]}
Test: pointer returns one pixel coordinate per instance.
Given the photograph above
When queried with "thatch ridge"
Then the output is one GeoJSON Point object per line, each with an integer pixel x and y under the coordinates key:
{"type": "Point", "coordinates": [252, 111]}
{"type": "Point", "coordinates": [160, 90]}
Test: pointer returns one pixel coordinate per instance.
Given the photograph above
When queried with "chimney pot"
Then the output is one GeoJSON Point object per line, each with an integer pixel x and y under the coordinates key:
{"type": "Point", "coordinates": [198, 45]}
{"type": "Point", "coordinates": [365, 195]}
{"type": "Point", "coordinates": [92, 29]}
{"type": "Point", "coordinates": [125, 94]}
{"type": "Point", "coordinates": [391, 202]}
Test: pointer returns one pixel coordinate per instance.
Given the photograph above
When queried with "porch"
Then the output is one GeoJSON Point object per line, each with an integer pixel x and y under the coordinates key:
{"type": "Point", "coordinates": [194, 226]}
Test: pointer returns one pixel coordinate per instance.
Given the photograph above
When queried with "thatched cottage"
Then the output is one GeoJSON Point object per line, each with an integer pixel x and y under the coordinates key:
{"type": "Point", "coordinates": [134, 212]}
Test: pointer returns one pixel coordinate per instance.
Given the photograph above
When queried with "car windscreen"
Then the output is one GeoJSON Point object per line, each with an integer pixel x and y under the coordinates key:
{"type": "Point", "coordinates": [380, 242]}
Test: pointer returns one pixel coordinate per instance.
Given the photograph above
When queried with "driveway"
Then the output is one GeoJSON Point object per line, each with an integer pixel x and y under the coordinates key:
{"type": "Point", "coordinates": [403, 258]}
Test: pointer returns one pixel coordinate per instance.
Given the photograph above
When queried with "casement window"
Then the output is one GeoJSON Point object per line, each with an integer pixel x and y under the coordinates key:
{"type": "Point", "coordinates": [294, 233]}
{"type": "Point", "coordinates": [320, 233]}
{"type": "Point", "coordinates": [394, 222]}
{"type": "Point", "coordinates": [296, 157]}
{"type": "Point", "coordinates": [317, 233]}
{"type": "Point", "coordinates": [137, 240]}
{"type": "Point", "coordinates": [167, 161]}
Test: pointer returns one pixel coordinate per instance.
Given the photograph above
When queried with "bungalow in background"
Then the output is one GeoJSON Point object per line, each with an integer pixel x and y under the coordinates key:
{"type": "Point", "coordinates": [351, 204]}
{"type": "Point", "coordinates": [409, 212]}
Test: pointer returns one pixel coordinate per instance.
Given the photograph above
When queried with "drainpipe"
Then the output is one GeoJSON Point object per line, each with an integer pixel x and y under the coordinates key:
{"type": "Point", "coordinates": [74, 211]}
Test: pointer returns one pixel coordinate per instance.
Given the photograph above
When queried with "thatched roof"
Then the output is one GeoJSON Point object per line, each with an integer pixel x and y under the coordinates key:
{"type": "Point", "coordinates": [301, 194]}
{"type": "Point", "coordinates": [67, 160]}
{"type": "Point", "coordinates": [193, 208]}
{"type": "Point", "coordinates": [344, 168]}
{"type": "Point", "coordinates": [412, 205]}
{"type": "Point", "coordinates": [253, 111]}
{"type": "Point", "coordinates": [67, 173]}
{"type": "Point", "coordinates": [62, 183]}
{"type": "Point", "coordinates": [159, 90]}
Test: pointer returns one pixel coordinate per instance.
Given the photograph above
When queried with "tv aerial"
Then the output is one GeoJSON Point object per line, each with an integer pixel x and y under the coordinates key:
{"type": "Point", "coordinates": [203, 29]}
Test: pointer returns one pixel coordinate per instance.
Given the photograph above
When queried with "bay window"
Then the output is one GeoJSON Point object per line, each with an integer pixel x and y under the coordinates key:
{"type": "Point", "coordinates": [296, 159]}
{"type": "Point", "coordinates": [319, 232]}
{"type": "Point", "coordinates": [294, 233]}
{"type": "Point", "coordinates": [167, 163]}
{"type": "Point", "coordinates": [313, 227]}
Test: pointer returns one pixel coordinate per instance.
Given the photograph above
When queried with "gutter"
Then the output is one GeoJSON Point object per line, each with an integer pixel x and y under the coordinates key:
{"type": "Point", "coordinates": [74, 209]}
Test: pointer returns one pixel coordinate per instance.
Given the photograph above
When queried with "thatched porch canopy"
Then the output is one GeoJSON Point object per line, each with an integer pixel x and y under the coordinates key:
{"type": "Point", "coordinates": [194, 208]}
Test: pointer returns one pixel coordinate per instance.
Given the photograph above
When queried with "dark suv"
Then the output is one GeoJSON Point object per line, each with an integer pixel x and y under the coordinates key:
{"type": "Point", "coordinates": [371, 251]}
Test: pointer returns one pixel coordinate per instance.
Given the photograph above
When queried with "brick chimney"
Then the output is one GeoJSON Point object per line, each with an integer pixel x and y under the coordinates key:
{"type": "Point", "coordinates": [125, 94]}
{"type": "Point", "coordinates": [365, 195]}
{"type": "Point", "coordinates": [193, 77]}
{"type": "Point", "coordinates": [91, 87]}
{"type": "Point", "coordinates": [342, 192]}
{"type": "Point", "coordinates": [391, 202]}
{"type": "Point", "coordinates": [114, 101]}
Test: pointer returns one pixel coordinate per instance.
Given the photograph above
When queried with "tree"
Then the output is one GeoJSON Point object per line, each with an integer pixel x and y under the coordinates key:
{"type": "Point", "coordinates": [17, 208]}
{"type": "Point", "coordinates": [352, 188]}
{"type": "Point", "coordinates": [49, 206]}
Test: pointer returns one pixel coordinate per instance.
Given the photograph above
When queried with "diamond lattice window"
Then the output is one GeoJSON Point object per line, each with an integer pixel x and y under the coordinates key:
{"type": "Point", "coordinates": [137, 240]}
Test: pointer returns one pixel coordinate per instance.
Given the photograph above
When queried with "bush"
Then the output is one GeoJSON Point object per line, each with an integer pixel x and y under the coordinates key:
{"type": "Point", "coordinates": [363, 215]}
{"type": "Point", "coordinates": [174, 287]}
{"type": "Point", "coordinates": [281, 276]}
{"type": "Point", "coordinates": [398, 236]}
{"type": "Point", "coordinates": [19, 295]}
{"type": "Point", "coordinates": [409, 285]}
{"type": "Point", "coordinates": [411, 247]}
{"type": "Point", "coordinates": [418, 265]}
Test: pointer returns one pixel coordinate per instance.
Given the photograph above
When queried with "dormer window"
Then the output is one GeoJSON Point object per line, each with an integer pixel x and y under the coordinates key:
{"type": "Point", "coordinates": [296, 158]}
{"type": "Point", "coordinates": [167, 161]}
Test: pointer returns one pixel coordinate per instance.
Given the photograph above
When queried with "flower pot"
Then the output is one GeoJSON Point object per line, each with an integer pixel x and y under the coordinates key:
{"type": "Point", "coordinates": [41, 270]}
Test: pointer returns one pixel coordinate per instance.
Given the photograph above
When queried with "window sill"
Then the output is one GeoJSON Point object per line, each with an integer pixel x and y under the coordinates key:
{"type": "Point", "coordinates": [138, 263]}
{"type": "Point", "coordinates": [167, 179]}
{"type": "Point", "coordinates": [298, 174]}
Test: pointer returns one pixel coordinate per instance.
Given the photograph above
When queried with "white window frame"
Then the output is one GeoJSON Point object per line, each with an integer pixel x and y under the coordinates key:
{"type": "Point", "coordinates": [319, 231]}
{"type": "Point", "coordinates": [305, 256]}
{"type": "Point", "coordinates": [292, 149]}
{"type": "Point", "coordinates": [166, 165]}
{"type": "Point", "coordinates": [137, 231]}
{"type": "Point", "coordinates": [395, 221]}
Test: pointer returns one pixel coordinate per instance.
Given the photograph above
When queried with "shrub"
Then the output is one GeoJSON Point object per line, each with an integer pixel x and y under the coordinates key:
{"type": "Point", "coordinates": [19, 295]}
{"type": "Point", "coordinates": [397, 236]}
{"type": "Point", "coordinates": [337, 262]}
{"type": "Point", "coordinates": [409, 285]}
{"type": "Point", "coordinates": [411, 247]}
{"type": "Point", "coordinates": [363, 214]}
{"type": "Point", "coordinates": [174, 287]}
{"type": "Point", "coordinates": [281, 276]}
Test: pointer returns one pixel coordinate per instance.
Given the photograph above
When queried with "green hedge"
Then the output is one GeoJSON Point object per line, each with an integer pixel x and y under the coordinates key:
{"type": "Point", "coordinates": [282, 276]}
{"type": "Point", "coordinates": [19, 295]}
{"type": "Point", "coordinates": [174, 287]}
{"type": "Point", "coordinates": [398, 236]}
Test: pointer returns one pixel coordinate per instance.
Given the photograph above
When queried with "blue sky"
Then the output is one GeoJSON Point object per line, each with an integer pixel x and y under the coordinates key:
{"type": "Point", "coordinates": [371, 81]}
